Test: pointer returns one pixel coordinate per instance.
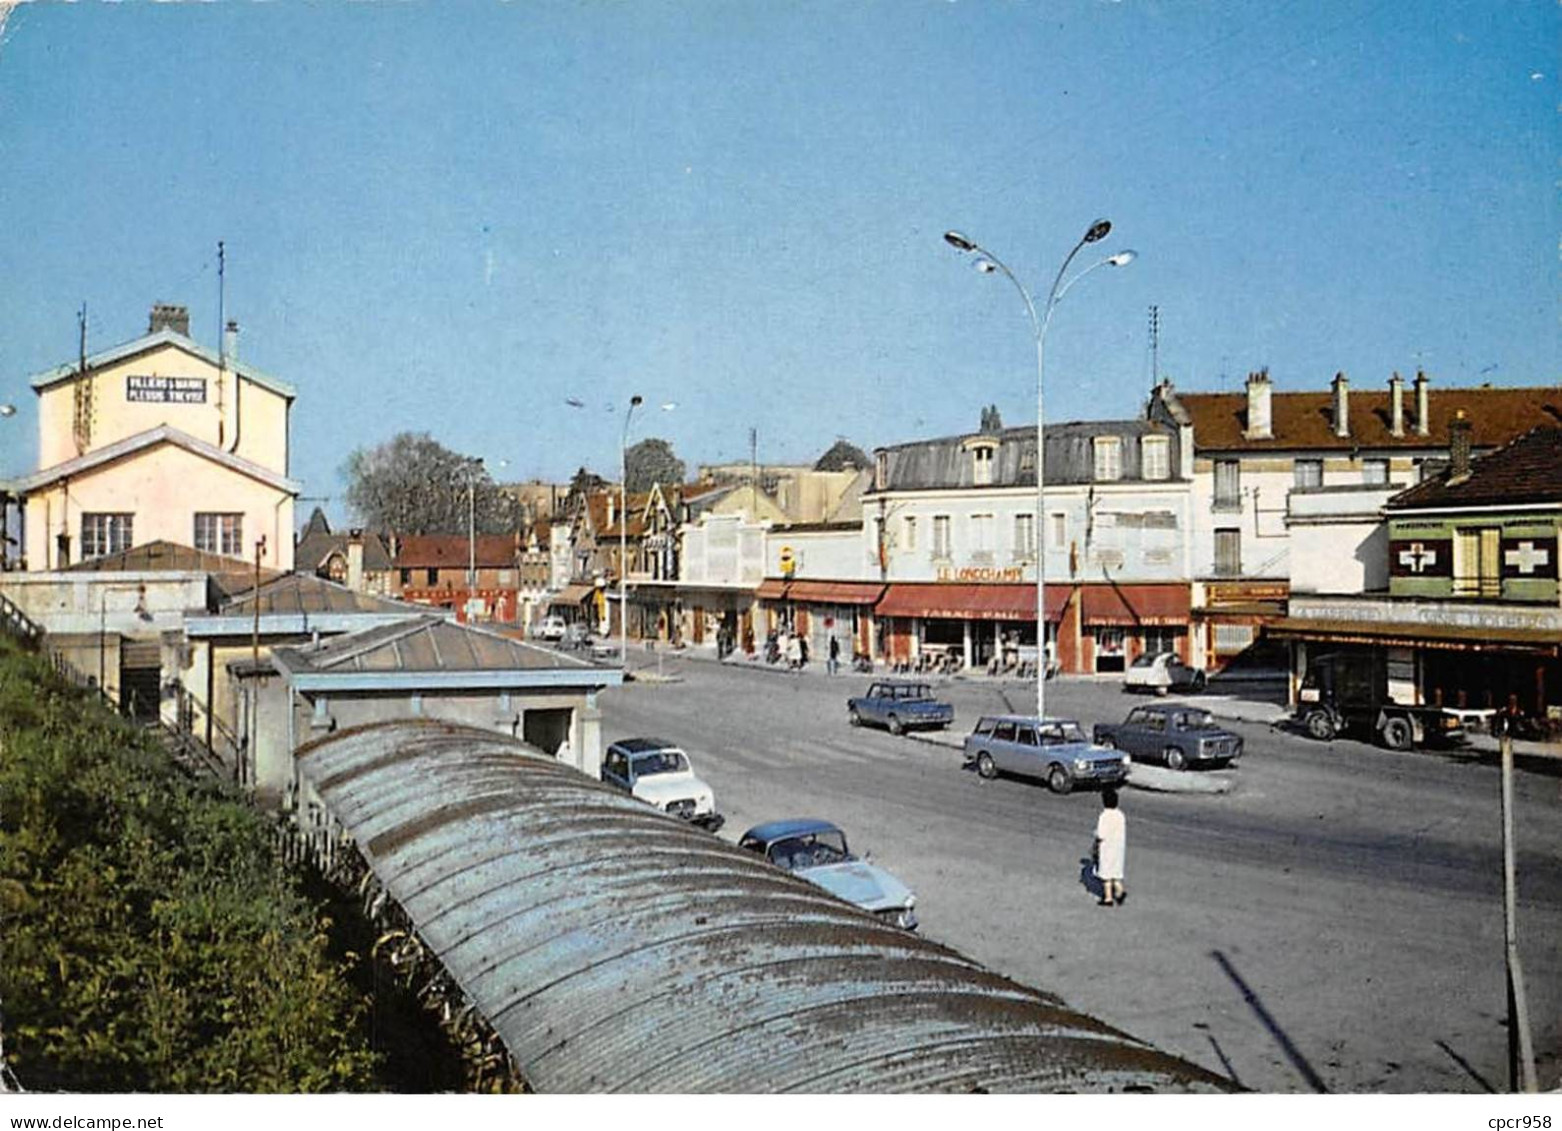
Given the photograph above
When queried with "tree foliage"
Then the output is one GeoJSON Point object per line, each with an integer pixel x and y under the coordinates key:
{"type": "Point", "coordinates": [412, 484]}
{"type": "Point", "coordinates": [843, 456]}
{"type": "Point", "coordinates": [153, 940]}
{"type": "Point", "coordinates": [991, 420]}
{"type": "Point", "coordinates": [651, 461]}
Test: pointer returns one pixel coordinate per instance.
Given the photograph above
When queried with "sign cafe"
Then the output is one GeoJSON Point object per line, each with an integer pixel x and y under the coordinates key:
{"type": "Point", "coordinates": [981, 573]}
{"type": "Point", "coordinates": [166, 390]}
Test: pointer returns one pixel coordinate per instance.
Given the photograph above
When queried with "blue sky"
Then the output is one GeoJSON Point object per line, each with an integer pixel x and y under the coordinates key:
{"type": "Point", "coordinates": [452, 217]}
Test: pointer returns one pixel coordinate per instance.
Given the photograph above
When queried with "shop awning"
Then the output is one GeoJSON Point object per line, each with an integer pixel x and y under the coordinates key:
{"type": "Point", "coordinates": [836, 592]}
{"type": "Point", "coordinates": [772, 589]}
{"type": "Point", "coordinates": [971, 602]}
{"type": "Point", "coordinates": [572, 595]}
{"type": "Point", "coordinates": [1446, 636]}
{"type": "Point", "coordinates": [1135, 604]}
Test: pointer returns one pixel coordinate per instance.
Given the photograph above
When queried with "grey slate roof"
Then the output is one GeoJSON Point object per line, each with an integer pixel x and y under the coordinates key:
{"type": "Point", "coordinates": [149, 342]}
{"type": "Point", "coordinates": [425, 644]}
{"type": "Point", "coordinates": [946, 462]}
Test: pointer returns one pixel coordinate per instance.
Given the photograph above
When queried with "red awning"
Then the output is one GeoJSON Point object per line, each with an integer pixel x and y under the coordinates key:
{"type": "Point", "coordinates": [771, 589]}
{"type": "Point", "coordinates": [836, 592]}
{"type": "Point", "coordinates": [971, 602]}
{"type": "Point", "coordinates": [1135, 604]}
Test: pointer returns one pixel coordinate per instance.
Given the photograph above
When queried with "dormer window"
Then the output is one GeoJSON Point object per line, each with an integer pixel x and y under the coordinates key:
{"type": "Point", "coordinates": [1109, 458]}
{"type": "Point", "coordinates": [1155, 457]}
{"type": "Point", "coordinates": [984, 452]}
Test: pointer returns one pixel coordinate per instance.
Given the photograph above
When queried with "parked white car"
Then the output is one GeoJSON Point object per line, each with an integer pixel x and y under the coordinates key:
{"type": "Point", "coordinates": [1160, 672]}
{"type": "Point", "coordinates": [550, 628]}
{"type": "Point", "coordinates": [658, 773]}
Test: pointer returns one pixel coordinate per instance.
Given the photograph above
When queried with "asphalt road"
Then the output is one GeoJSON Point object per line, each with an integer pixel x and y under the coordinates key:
{"type": "Point", "coordinates": [1334, 923]}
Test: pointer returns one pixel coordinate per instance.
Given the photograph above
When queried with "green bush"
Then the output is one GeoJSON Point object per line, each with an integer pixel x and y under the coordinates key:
{"type": "Point", "coordinates": [152, 939]}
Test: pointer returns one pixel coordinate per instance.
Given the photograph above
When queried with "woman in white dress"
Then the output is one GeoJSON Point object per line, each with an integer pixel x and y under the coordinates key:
{"type": "Point", "coordinates": [1111, 849]}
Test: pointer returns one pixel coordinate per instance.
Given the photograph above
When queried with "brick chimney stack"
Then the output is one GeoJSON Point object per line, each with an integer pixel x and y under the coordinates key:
{"type": "Point", "coordinates": [1260, 414]}
{"type": "Point", "coordinates": [1341, 387]}
{"type": "Point", "coordinates": [1396, 396]}
{"type": "Point", "coordinates": [1423, 423]}
{"type": "Point", "coordinates": [167, 316]}
{"type": "Point", "coordinates": [1458, 448]}
{"type": "Point", "coordinates": [355, 560]}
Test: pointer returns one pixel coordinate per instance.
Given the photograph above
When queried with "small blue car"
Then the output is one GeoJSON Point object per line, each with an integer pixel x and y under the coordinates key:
{"type": "Point", "coordinates": [900, 706]}
{"type": "Point", "coordinates": [816, 851]}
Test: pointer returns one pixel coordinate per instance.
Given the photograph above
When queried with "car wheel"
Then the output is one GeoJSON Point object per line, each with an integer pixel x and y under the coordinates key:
{"type": "Point", "coordinates": [1059, 780]}
{"type": "Point", "coordinates": [1320, 725]}
{"type": "Point", "coordinates": [856, 718]}
{"type": "Point", "coordinates": [1175, 759]}
{"type": "Point", "coordinates": [1397, 734]}
{"type": "Point", "coordinates": [893, 722]}
{"type": "Point", "coordinates": [985, 766]}
{"type": "Point", "coordinates": [1199, 680]}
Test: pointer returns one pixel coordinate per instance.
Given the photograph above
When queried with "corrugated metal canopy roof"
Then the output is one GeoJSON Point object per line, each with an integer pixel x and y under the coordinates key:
{"type": "Point", "coordinates": [425, 644]}
{"type": "Point", "coordinates": [615, 949]}
{"type": "Point", "coordinates": [307, 593]}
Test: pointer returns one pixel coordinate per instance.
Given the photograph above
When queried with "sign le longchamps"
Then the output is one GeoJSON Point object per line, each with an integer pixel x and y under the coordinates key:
{"type": "Point", "coordinates": [166, 390]}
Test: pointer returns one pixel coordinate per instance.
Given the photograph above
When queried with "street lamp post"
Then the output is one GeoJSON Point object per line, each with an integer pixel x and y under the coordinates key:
{"type": "Point", "coordinates": [988, 263]}
{"type": "Point", "coordinates": [623, 536]}
{"type": "Point", "coordinates": [471, 531]}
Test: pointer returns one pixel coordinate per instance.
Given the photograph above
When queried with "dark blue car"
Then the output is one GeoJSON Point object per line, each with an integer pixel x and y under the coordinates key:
{"type": "Point", "coordinates": [899, 705]}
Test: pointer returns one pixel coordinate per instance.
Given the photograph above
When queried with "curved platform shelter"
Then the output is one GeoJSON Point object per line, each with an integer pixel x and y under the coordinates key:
{"type": "Point", "coordinates": [615, 949]}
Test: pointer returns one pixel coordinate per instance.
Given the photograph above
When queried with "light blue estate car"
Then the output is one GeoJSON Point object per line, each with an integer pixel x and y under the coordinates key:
{"type": "Point", "coordinates": [900, 706]}
{"type": "Point", "coordinates": [1057, 751]}
{"type": "Point", "coordinates": [816, 851]}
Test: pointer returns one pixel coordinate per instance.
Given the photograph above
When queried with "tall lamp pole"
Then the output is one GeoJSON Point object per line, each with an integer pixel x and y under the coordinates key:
{"type": "Point", "coordinates": [988, 263]}
{"type": "Point", "coordinates": [471, 531]}
{"type": "Point", "coordinates": [623, 536]}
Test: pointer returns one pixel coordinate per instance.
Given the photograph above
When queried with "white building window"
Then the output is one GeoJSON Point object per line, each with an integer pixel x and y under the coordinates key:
{"type": "Point", "coordinates": [982, 533]}
{"type": "Point", "coordinates": [941, 536]}
{"type": "Point", "coordinates": [1057, 530]}
{"type": "Point", "coordinates": [1307, 473]}
{"type": "Point", "coordinates": [1228, 484]}
{"type": "Point", "coordinates": [1228, 553]}
{"type": "Point", "coordinates": [982, 466]}
{"type": "Point", "coordinates": [220, 533]}
{"type": "Point", "coordinates": [1024, 535]}
{"type": "Point", "coordinates": [908, 527]}
{"type": "Point", "coordinates": [1155, 457]}
{"type": "Point", "coordinates": [1375, 472]}
{"type": "Point", "coordinates": [1109, 458]}
{"type": "Point", "coordinates": [103, 533]}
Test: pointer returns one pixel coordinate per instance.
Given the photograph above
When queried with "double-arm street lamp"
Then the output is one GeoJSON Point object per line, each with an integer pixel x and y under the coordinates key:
{"type": "Point", "coordinates": [988, 263]}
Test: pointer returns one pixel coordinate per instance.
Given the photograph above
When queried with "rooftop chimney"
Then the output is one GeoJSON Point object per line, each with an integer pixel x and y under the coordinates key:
{"type": "Point", "coordinates": [1396, 397]}
{"type": "Point", "coordinates": [1458, 448]}
{"type": "Point", "coordinates": [1260, 417]}
{"type": "Point", "coordinates": [166, 316]}
{"type": "Point", "coordinates": [230, 341]}
{"type": "Point", "coordinates": [1341, 387]}
{"type": "Point", "coordinates": [1423, 423]}
{"type": "Point", "coordinates": [354, 558]}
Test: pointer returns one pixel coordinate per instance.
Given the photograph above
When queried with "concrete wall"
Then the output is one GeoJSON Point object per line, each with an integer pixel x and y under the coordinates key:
{"type": "Point", "coordinates": [1339, 540]}
{"type": "Point", "coordinates": [832, 555]}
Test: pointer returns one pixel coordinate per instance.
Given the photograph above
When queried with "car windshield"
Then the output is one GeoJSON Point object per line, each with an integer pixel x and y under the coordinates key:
{"type": "Point", "coordinates": [660, 762]}
{"type": "Point", "coordinates": [1145, 661]}
{"type": "Point", "coordinates": [1055, 733]}
{"type": "Point", "coordinates": [809, 851]}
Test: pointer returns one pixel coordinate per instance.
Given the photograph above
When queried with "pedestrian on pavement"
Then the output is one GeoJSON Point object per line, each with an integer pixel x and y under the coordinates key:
{"type": "Point", "coordinates": [835, 655]}
{"type": "Point", "coordinates": [1111, 848]}
{"type": "Point", "coordinates": [794, 651]}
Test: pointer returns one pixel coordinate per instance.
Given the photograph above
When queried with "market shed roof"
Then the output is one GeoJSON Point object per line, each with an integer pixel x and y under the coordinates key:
{"type": "Point", "coordinates": [615, 949]}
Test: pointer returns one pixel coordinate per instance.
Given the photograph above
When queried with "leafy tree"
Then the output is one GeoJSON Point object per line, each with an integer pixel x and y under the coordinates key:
{"type": "Point", "coordinates": [991, 420]}
{"type": "Point", "coordinates": [843, 456]}
{"type": "Point", "coordinates": [651, 461]}
{"type": "Point", "coordinates": [411, 484]}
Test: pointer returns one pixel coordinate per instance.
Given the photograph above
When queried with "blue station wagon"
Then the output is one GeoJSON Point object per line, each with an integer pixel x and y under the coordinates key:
{"type": "Point", "coordinates": [1054, 750]}
{"type": "Point", "coordinates": [899, 705]}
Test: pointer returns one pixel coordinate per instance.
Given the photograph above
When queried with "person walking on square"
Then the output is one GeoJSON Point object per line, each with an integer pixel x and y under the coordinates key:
{"type": "Point", "coordinates": [835, 655]}
{"type": "Point", "coordinates": [1111, 849]}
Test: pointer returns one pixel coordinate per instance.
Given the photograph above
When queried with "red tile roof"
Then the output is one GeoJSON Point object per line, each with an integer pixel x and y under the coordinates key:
{"type": "Point", "coordinates": [1306, 420]}
{"type": "Point", "coordinates": [424, 551]}
{"type": "Point", "coordinates": [1529, 470]}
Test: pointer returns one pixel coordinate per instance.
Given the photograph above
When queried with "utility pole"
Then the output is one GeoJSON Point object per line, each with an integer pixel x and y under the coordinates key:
{"type": "Point", "coordinates": [254, 696]}
{"type": "Point", "coordinates": [1521, 1051]}
{"type": "Point", "coordinates": [1155, 346]}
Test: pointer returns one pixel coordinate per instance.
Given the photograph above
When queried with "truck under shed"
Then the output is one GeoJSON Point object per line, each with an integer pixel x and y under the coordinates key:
{"type": "Point", "coordinates": [615, 949]}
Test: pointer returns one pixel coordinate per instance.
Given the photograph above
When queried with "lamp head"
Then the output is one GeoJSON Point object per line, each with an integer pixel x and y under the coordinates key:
{"type": "Point", "coordinates": [1098, 231]}
{"type": "Point", "coordinates": [7, 410]}
{"type": "Point", "coordinates": [958, 242]}
{"type": "Point", "coordinates": [636, 401]}
{"type": "Point", "coordinates": [985, 266]}
{"type": "Point", "coordinates": [1123, 258]}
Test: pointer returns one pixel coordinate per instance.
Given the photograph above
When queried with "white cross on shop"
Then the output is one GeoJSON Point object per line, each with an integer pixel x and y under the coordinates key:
{"type": "Point", "coordinates": [1527, 557]}
{"type": "Point", "coordinates": [1418, 557]}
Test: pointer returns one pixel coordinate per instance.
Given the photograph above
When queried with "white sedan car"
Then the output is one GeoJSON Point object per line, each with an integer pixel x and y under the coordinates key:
{"type": "Point", "coordinates": [1160, 672]}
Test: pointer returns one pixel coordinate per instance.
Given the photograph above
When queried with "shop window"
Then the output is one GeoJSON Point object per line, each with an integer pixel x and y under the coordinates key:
{"type": "Point", "coordinates": [220, 533]}
{"type": "Point", "coordinates": [1155, 457]}
{"type": "Point", "coordinates": [1228, 484]}
{"type": "Point", "coordinates": [1307, 473]}
{"type": "Point", "coordinates": [103, 533]}
{"type": "Point", "coordinates": [1228, 553]}
{"type": "Point", "coordinates": [1232, 638]}
{"type": "Point", "coordinates": [1109, 458]}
